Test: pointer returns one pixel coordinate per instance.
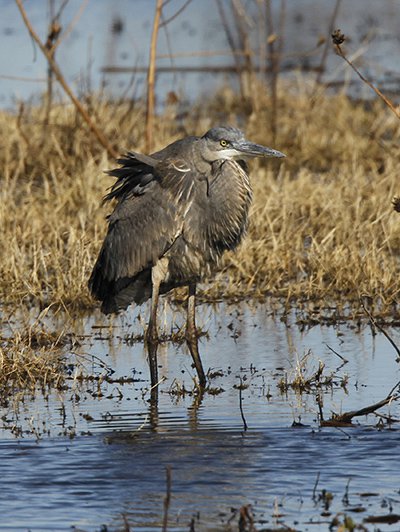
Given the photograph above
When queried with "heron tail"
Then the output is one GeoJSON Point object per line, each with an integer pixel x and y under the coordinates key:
{"type": "Point", "coordinates": [118, 295]}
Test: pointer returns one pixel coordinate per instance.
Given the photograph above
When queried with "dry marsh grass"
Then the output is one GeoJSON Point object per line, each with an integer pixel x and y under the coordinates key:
{"type": "Point", "coordinates": [30, 359]}
{"type": "Point", "coordinates": [322, 225]}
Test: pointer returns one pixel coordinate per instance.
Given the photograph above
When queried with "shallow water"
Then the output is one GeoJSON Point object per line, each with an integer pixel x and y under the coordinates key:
{"type": "Point", "coordinates": [97, 454]}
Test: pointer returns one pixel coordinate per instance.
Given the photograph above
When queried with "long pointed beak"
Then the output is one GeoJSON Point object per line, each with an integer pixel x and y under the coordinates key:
{"type": "Point", "coordinates": [250, 149]}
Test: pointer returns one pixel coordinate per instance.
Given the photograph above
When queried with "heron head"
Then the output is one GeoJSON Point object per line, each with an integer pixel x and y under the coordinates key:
{"type": "Point", "coordinates": [230, 143]}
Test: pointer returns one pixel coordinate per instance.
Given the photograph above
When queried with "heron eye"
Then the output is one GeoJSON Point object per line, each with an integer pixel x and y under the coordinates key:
{"type": "Point", "coordinates": [224, 143]}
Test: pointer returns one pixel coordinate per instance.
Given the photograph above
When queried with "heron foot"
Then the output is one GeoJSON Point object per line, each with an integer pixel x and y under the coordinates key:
{"type": "Point", "coordinates": [192, 342]}
{"type": "Point", "coordinates": [151, 341]}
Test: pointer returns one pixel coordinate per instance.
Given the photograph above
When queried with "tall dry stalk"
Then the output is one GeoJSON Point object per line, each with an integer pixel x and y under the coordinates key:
{"type": "Point", "coordinates": [167, 499]}
{"type": "Point", "coordinates": [151, 78]}
{"type": "Point", "coordinates": [338, 39]}
{"type": "Point", "coordinates": [51, 45]}
{"type": "Point", "coordinates": [275, 47]}
{"type": "Point", "coordinates": [243, 27]}
{"type": "Point", "coordinates": [232, 45]}
{"type": "Point", "coordinates": [60, 78]}
{"type": "Point", "coordinates": [325, 51]}
{"type": "Point", "coordinates": [53, 40]}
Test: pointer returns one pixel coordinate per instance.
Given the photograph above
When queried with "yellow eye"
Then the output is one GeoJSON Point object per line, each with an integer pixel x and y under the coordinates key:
{"type": "Point", "coordinates": [224, 143]}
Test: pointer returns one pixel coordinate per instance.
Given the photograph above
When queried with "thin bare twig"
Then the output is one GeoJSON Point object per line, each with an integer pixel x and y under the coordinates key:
{"type": "Point", "coordinates": [22, 78]}
{"type": "Point", "coordinates": [390, 394]}
{"type": "Point", "coordinates": [169, 47]}
{"type": "Point", "coordinates": [200, 53]}
{"type": "Point", "coordinates": [245, 427]}
{"type": "Point", "coordinates": [151, 78]}
{"type": "Point", "coordinates": [19, 122]}
{"type": "Point", "coordinates": [167, 499]}
{"type": "Point", "coordinates": [243, 25]}
{"type": "Point", "coordinates": [188, 69]}
{"type": "Point", "coordinates": [175, 15]}
{"type": "Point", "coordinates": [54, 38]}
{"type": "Point", "coordinates": [375, 324]}
{"type": "Point", "coordinates": [324, 55]}
{"type": "Point", "coordinates": [232, 45]}
{"type": "Point", "coordinates": [345, 361]}
{"type": "Point", "coordinates": [73, 22]}
{"type": "Point", "coordinates": [155, 386]}
{"type": "Point", "coordinates": [319, 402]}
{"type": "Point", "coordinates": [60, 78]}
{"type": "Point", "coordinates": [338, 39]}
{"type": "Point", "coordinates": [314, 497]}
{"type": "Point", "coordinates": [345, 498]}
{"type": "Point", "coordinates": [275, 60]}
{"type": "Point", "coordinates": [51, 45]}
{"type": "Point", "coordinates": [262, 37]}
{"type": "Point", "coordinates": [61, 9]}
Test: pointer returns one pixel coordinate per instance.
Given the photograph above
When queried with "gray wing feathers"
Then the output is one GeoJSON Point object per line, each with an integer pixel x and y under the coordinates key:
{"type": "Point", "coordinates": [134, 176]}
{"type": "Point", "coordinates": [140, 230]}
{"type": "Point", "coordinates": [153, 197]}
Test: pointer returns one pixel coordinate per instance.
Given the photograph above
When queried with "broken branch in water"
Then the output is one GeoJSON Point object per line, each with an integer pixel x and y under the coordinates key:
{"type": "Point", "coordinates": [346, 417]}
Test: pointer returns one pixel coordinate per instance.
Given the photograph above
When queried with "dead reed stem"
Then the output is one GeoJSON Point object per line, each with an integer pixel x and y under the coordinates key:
{"type": "Point", "coordinates": [54, 38]}
{"type": "Point", "coordinates": [231, 41]}
{"type": "Point", "coordinates": [60, 78]}
{"type": "Point", "coordinates": [73, 22]}
{"type": "Point", "coordinates": [245, 426]}
{"type": "Point", "coordinates": [325, 51]}
{"type": "Point", "coordinates": [338, 39]}
{"type": "Point", "coordinates": [51, 46]}
{"type": "Point", "coordinates": [275, 43]}
{"type": "Point", "coordinates": [151, 78]}
{"type": "Point", "coordinates": [380, 328]}
{"type": "Point", "coordinates": [175, 15]}
{"type": "Point", "coordinates": [167, 499]}
{"type": "Point", "coordinates": [242, 27]}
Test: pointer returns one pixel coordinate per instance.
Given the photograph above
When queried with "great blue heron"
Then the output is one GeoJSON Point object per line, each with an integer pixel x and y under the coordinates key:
{"type": "Point", "coordinates": [177, 211]}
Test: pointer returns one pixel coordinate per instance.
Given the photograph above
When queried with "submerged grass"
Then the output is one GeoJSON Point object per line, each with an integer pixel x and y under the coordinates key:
{"type": "Point", "coordinates": [322, 225]}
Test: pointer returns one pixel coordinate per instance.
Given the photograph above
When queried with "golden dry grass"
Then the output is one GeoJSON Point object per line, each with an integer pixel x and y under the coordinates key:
{"type": "Point", "coordinates": [30, 360]}
{"type": "Point", "coordinates": [322, 226]}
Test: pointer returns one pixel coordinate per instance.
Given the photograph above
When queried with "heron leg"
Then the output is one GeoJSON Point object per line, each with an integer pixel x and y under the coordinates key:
{"type": "Point", "coordinates": [151, 338]}
{"type": "Point", "coordinates": [191, 335]}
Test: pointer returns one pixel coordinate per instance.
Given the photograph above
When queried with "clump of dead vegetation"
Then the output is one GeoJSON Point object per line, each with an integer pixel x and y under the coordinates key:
{"type": "Point", "coordinates": [30, 360]}
{"type": "Point", "coordinates": [306, 378]}
{"type": "Point", "coordinates": [322, 224]}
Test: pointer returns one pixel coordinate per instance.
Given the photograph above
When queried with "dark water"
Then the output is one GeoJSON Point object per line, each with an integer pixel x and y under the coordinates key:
{"type": "Point", "coordinates": [97, 454]}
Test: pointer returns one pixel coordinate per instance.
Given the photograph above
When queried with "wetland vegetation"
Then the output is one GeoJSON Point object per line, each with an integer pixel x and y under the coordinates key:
{"type": "Point", "coordinates": [323, 230]}
{"type": "Point", "coordinates": [323, 234]}
{"type": "Point", "coordinates": [321, 258]}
